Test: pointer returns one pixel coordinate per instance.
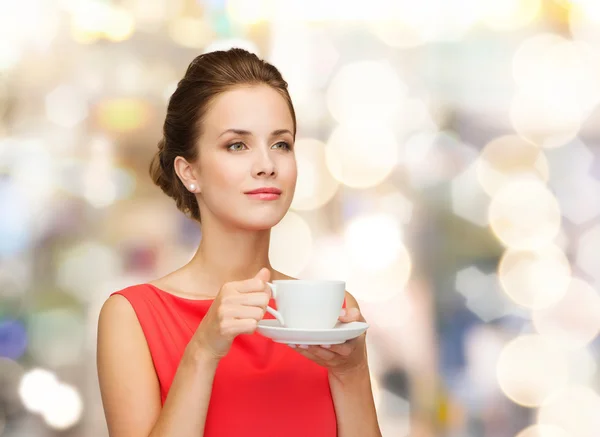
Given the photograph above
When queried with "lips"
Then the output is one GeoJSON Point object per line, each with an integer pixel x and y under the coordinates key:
{"type": "Point", "coordinates": [265, 190]}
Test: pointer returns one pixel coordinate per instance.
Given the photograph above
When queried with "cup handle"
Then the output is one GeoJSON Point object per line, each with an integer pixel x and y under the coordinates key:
{"type": "Point", "coordinates": [270, 310]}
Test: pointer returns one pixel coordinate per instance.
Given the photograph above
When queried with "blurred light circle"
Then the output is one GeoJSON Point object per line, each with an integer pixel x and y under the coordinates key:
{"type": "Point", "coordinates": [10, 55]}
{"type": "Point", "coordinates": [13, 339]}
{"type": "Point", "coordinates": [525, 215]}
{"type": "Point", "coordinates": [574, 321]}
{"type": "Point", "coordinates": [396, 33]}
{"type": "Point", "coordinates": [66, 408]}
{"type": "Point", "coordinates": [365, 92]}
{"type": "Point", "coordinates": [582, 366]}
{"type": "Point", "coordinates": [588, 258]}
{"type": "Point", "coordinates": [123, 114]}
{"type": "Point", "coordinates": [15, 232]}
{"type": "Point", "coordinates": [544, 121]}
{"type": "Point", "coordinates": [315, 185]}
{"type": "Point", "coordinates": [380, 285]}
{"type": "Point", "coordinates": [510, 14]}
{"type": "Point", "coordinates": [574, 409]}
{"type": "Point", "coordinates": [85, 263]}
{"type": "Point", "coordinates": [149, 16]}
{"type": "Point", "coordinates": [66, 106]}
{"type": "Point", "coordinates": [56, 337]}
{"type": "Point", "coordinates": [543, 431]}
{"type": "Point", "coordinates": [507, 157]}
{"type": "Point", "coordinates": [374, 242]}
{"type": "Point", "coordinates": [529, 61]}
{"type": "Point", "coordinates": [329, 260]}
{"type": "Point", "coordinates": [120, 26]}
{"type": "Point", "coordinates": [529, 370]}
{"type": "Point", "coordinates": [191, 32]}
{"type": "Point", "coordinates": [35, 173]}
{"type": "Point", "coordinates": [37, 389]}
{"type": "Point", "coordinates": [361, 156]}
{"type": "Point", "coordinates": [556, 70]}
{"type": "Point", "coordinates": [91, 20]}
{"type": "Point", "coordinates": [584, 20]}
{"type": "Point", "coordinates": [291, 244]}
{"type": "Point", "coordinates": [535, 278]}
{"type": "Point", "coordinates": [251, 12]}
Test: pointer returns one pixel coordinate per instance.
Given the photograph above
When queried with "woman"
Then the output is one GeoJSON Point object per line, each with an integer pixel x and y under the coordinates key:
{"type": "Point", "coordinates": [179, 356]}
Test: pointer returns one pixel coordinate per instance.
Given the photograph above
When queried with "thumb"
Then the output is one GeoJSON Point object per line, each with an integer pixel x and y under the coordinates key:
{"type": "Point", "coordinates": [264, 274]}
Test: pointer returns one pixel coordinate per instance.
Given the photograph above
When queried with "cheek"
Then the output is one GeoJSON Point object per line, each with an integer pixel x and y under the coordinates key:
{"type": "Point", "coordinates": [290, 173]}
{"type": "Point", "coordinates": [222, 176]}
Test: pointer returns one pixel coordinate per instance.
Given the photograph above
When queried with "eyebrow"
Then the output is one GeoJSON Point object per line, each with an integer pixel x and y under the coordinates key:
{"type": "Point", "coordinates": [242, 132]}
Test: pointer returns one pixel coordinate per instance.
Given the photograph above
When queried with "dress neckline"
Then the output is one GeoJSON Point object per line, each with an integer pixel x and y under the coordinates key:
{"type": "Point", "coordinates": [186, 299]}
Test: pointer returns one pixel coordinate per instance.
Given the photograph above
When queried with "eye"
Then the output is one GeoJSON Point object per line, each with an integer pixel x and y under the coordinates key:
{"type": "Point", "coordinates": [236, 147]}
{"type": "Point", "coordinates": [282, 145]}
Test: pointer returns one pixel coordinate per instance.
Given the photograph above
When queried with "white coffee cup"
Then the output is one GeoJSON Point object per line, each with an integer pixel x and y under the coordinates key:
{"type": "Point", "coordinates": [307, 304]}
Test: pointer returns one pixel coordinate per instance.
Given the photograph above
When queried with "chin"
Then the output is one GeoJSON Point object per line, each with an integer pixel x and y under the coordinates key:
{"type": "Point", "coordinates": [260, 222]}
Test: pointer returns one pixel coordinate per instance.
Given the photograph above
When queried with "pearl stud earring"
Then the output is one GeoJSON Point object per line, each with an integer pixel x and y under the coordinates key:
{"type": "Point", "coordinates": [192, 187]}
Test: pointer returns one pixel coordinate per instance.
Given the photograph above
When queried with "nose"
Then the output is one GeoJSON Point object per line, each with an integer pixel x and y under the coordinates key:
{"type": "Point", "coordinates": [264, 166]}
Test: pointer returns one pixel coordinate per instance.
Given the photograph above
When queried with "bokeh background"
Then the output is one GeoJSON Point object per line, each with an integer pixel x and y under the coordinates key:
{"type": "Point", "coordinates": [448, 171]}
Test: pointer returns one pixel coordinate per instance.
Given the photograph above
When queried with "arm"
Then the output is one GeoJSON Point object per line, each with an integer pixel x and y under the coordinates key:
{"type": "Point", "coordinates": [129, 385]}
{"type": "Point", "coordinates": [353, 397]}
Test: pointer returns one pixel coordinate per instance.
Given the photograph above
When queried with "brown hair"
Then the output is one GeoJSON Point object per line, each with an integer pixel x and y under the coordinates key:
{"type": "Point", "coordinates": [207, 76]}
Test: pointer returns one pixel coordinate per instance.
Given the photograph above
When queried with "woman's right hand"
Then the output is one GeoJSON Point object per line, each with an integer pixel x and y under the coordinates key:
{"type": "Point", "coordinates": [237, 309]}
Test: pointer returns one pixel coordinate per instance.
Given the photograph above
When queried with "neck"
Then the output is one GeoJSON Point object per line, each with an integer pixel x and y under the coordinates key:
{"type": "Point", "coordinates": [226, 255]}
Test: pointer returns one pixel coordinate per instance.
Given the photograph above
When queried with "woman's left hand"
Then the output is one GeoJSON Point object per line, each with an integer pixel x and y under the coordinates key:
{"type": "Point", "coordinates": [339, 359]}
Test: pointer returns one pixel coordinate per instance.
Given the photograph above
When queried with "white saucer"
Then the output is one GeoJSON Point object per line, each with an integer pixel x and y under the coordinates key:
{"type": "Point", "coordinates": [339, 334]}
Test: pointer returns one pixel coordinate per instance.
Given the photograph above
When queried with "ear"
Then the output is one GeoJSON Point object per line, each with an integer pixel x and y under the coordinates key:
{"type": "Point", "coordinates": [187, 174]}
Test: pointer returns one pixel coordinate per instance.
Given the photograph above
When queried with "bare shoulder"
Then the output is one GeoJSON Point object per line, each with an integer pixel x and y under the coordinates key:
{"type": "Point", "coordinates": [128, 383]}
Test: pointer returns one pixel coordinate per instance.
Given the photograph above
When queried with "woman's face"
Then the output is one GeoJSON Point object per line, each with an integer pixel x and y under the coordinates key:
{"type": "Point", "coordinates": [247, 144]}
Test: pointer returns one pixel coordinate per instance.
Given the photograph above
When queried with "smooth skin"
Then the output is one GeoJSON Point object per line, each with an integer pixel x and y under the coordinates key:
{"type": "Point", "coordinates": [246, 143]}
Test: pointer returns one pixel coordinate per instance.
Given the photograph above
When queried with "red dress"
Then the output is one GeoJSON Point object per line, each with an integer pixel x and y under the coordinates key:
{"type": "Point", "coordinates": [261, 388]}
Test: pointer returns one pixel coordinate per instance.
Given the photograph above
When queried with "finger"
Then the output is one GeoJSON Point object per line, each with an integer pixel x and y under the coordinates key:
{"type": "Point", "coordinates": [264, 274]}
{"type": "Point", "coordinates": [233, 327]}
{"type": "Point", "coordinates": [350, 315]}
{"type": "Point", "coordinates": [241, 312]}
{"type": "Point", "coordinates": [307, 354]}
{"type": "Point", "coordinates": [322, 354]}
{"type": "Point", "coordinates": [250, 285]}
{"type": "Point", "coordinates": [344, 349]}
{"type": "Point", "coordinates": [256, 298]}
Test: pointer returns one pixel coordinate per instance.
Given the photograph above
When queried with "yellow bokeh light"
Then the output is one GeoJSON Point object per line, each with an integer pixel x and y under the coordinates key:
{"type": "Point", "coordinates": [529, 370]}
{"type": "Point", "coordinates": [361, 156]}
{"type": "Point", "coordinates": [510, 14]}
{"type": "Point", "coordinates": [94, 19]}
{"type": "Point", "coordinates": [535, 278]}
{"type": "Point", "coordinates": [315, 186]}
{"type": "Point", "coordinates": [574, 409]}
{"type": "Point", "coordinates": [190, 32]}
{"type": "Point", "coordinates": [122, 114]}
{"type": "Point", "coordinates": [524, 214]}
{"type": "Point", "coordinates": [507, 157]}
{"type": "Point", "coordinates": [573, 321]}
